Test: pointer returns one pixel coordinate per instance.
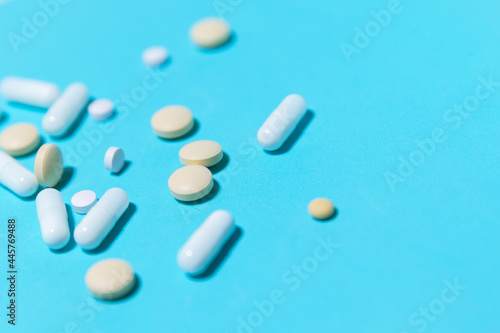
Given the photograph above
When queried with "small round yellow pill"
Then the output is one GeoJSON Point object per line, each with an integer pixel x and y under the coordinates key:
{"type": "Point", "coordinates": [321, 208]}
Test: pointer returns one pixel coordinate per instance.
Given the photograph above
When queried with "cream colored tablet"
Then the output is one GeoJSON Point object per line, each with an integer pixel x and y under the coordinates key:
{"type": "Point", "coordinates": [172, 121]}
{"type": "Point", "coordinates": [203, 152]}
{"type": "Point", "coordinates": [321, 208]}
{"type": "Point", "coordinates": [110, 279]}
{"type": "Point", "coordinates": [210, 32]}
{"type": "Point", "coordinates": [48, 165]}
{"type": "Point", "coordinates": [20, 139]}
{"type": "Point", "coordinates": [190, 183]}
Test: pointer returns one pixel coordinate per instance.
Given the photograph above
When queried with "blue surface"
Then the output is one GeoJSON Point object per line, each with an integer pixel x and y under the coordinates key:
{"type": "Point", "coordinates": [397, 248]}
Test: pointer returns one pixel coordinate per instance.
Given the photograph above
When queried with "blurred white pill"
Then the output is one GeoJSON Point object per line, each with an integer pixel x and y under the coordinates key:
{"type": "Point", "coordinates": [101, 109]}
{"type": "Point", "coordinates": [83, 201]}
{"type": "Point", "coordinates": [114, 159]}
{"type": "Point", "coordinates": [27, 91]}
{"type": "Point", "coordinates": [155, 56]}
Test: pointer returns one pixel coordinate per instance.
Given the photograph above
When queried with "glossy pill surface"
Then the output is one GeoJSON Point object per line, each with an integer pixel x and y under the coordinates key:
{"type": "Point", "coordinates": [110, 279]}
{"type": "Point", "coordinates": [99, 221]}
{"type": "Point", "coordinates": [190, 183]}
{"type": "Point", "coordinates": [28, 91]}
{"type": "Point", "coordinates": [172, 122]}
{"type": "Point", "coordinates": [48, 165]}
{"type": "Point", "coordinates": [101, 109]}
{"type": "Point", "coordinates": [203, 152]}
{"type": "Point", "coordinates": [16, 177]}
{"type": "Point", "coordinates": [205, 242]}
{"type": "Point", "coordinates": [65, 110]}
{"type": "Point", "coordinates": [114, 159]}
{"type": "Point", "coordinates": [281, 123]}
{"type": "Point", "coordinates": [53, 218]}
{"type": "Point", "coordinates": [20, 139]}
{"type": "Point", "coordinates": [83, 201]}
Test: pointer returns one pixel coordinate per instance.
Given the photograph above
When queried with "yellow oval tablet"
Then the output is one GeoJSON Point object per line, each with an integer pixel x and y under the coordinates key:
{"type": "Point", "coordinates": [321, 208]}
{"type": "Point", "coordinates": [190, 183]}
{"type": "Point", "coordinates": [110, 279]}
{"type": "Point", "coordinates": [172, 122]}
{"type": "Point", "coordinates": [20, 139]}
{"type": "Point", "coordinates": [202, 152]}
{"type": "Point", "coordinates": [48, 165]}
{"type": "Point", "coordinates": [210, 32]}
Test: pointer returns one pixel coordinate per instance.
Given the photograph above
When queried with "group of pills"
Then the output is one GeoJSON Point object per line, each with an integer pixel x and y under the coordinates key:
{"type": "Point", "coordinates": [190, 182]}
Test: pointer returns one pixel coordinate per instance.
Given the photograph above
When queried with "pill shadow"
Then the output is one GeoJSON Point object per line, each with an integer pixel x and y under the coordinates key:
{"type": "Point", "coordinates": [71, 223]}
{"type": "Point", "coordinates": [125, 168]}
{"type": "Point", "coordinates": [30, 108]}
{"type": "Point", "coordinates": [68, 173]}
{"type": "Point", "coordinates": [134, 291]}
{"type": "Point", "coordinates": [221, 165]}
{"type": "Point", "coordinates": [331, 218]}
{"type": "Point", "coordinates": [77, 124]}
{"type": "Point", "coordinates": [297, 132]}
{"type": "Point", "coordinates": [115, 232]}
{"type": "Point", "coordinates": [192, 132]}
{"type": "Point", "coordinates": [31, 197]}
{"type": "Point", "coordinates": [221, 257]}
{"type": "Point", "coordinates": [208, 197]}
{"type": "Point", "coordinates": [233, 38]}
{"type": "Point", "coordinates": [4, 117]}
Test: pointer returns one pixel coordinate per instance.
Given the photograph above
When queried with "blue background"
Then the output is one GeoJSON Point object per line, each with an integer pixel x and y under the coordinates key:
{"type": "Point", "coordinates": [397, 245]}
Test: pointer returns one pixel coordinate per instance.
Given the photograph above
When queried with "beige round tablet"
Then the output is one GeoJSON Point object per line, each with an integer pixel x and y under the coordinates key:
{"type": "Point", "coordinates": [110, 279]}
{"type": "Point", "coordinates": [172, 121]}
{"type": "Point", "coordinates": [210, 32]}
{"type": "Point", "coordinates": [321, 208]}
{"type": "Point", "coordinates": [48, 165]}
{"type": "Point", "coordinates": [203, 152]}
{"type": "Point", "coordinates": [20, 139]}
{"type": "Point", "coordinates": [190, 183]}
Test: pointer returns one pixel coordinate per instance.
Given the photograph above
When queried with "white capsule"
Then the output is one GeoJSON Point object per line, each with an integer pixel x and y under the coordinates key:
{"type": "Point", "coordinates": [53, 218]}
{"type": "Point", "coordinates": [65, 110]}
{"type": "Point", "coordinates": [281, 123]}
{"type": "Point", "coordinates": [101, 218]}
{"type": "Point", "coordinates": [27, 91]}
{"type": "Point", "coordinates": [205, 243]}
{"type": "Point", "coordinates": [15, 177]}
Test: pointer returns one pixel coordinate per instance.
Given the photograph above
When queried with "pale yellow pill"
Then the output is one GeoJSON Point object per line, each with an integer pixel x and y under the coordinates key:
{"type": "Point", "coordinates": [190, 183]}
{"type": "Point", "coordinates": [203, 152]}
{"type": "Point", "coordinates": [110, 279]}
{"type": "Point", "coordinates": [210, 32]}
{"type": "Point", "coordinates": [20, 139]}
{"type": "Point", "coordinates": [172, 121]}
{"type": "Point", "coordinates": [321, 208]}
{"type": "Point", "coordinates": [48, 165]}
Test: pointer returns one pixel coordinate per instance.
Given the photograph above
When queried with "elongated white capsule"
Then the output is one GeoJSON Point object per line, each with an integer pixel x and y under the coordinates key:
{"type": "Point", "coordinates": [53, 218]}
{"type": "Point", "coordinates": [101, 218]}
{"type": "Point", "coordinates": [28, 91]}
{"type": "Point", "coordinates": [15, 177]}
{"type": "Point", "coordinates": [281, 123]}
{"type": "Point", "coordinates": [66, 109]}
{"type": "Point", "coordinates": [205, 243]}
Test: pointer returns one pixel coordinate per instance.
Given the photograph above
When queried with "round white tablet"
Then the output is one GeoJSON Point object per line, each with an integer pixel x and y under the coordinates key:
{"type": "Point", "coordinates": [110, 279]}
{"type": "Point", "coordinates": [210, 32]}
{"type": "Point", "coordinates": [83, 201]}
{"type": "Point", "coordinates": [101, 109]}
{"type": "Point", "coordinates": [190, 183]}
{"type": "Point", "coordinates": [114, 159]}
{"type": "Point", "coordinates": [172, 122]}
{"type": "Point", "coordinates": [202, 152]}
{"type": "Point", "coordinates": [155, 56]}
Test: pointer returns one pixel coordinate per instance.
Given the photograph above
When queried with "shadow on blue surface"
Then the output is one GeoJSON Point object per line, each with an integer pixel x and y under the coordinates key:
{"type": "Point", "coordinates": [229, 44]}
{"type": "Point", "coordinates": [115, 232]}
{"type": "Point", "coordinates": [71, 222]}
{"type": "Point", "coordinates": [297, 132]}
{"type": "Point", "coordinates": [221, 165]}
{"type": "Point", "coordinates": [135, 290]}
{"type": "Point", "coordinates": [192, 131]}
{"type": "Point", "coordinates": [125, 168]}
{"type": "Point", "coordinates": [4, 117]}
{"type": "Point", "coordinates": [208, 197]}
{"type": "Point", "coordinates": [221, 257]}
{"type": "Point", "coordinates": [331, 218]}
{"type": "Point", "coordinates": [68, 173]}
{"type": "Point", "coordinates": [29, 108]}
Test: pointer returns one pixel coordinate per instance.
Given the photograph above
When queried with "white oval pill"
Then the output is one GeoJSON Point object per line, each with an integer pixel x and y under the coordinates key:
{"type": "Point", "coordinates": [114, 159]}
{"type": "Point", "coordinates": [110, 279]}
{"type": "Point", "coordinates": [65, 110]}
{"type": "Point", "coordinates": [53, 218]}
{"type": "Point", "coordinates": [202, 152]}
{"type": "Point", "coordinates": [48, 165]}
{"type": "Point", "coordinates": [210, 32]}
{"type": "Point", "coordinates": [101, 218]}
{"type": "Point", "coordinates": [20, 139]}
{"type": "Point", "coordinates": [190, 183]}
{"type": "Point", "coordinates": [172, 121]}
{"type": "Point", "coordinates": [27, 91]}
{"type": "Point", "coordinates": [101, 109]}
{"type": "Point", "coordinates": [83, 201]}
{"type": "Point", "coordinates": [155, 56]}
{"type": "Point", "coordinates": [16, 177]}
{"type": "Point", "coordinates": [281, 123]}
{"type": "Point", "coordinates": [205, 242]}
